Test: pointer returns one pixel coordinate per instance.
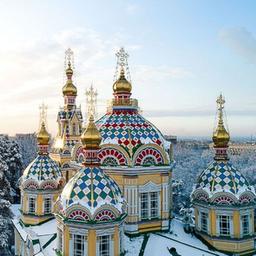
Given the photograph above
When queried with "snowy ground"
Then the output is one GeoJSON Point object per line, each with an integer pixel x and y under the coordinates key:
{"type": "Point", "coordinates": [132, 245]}
{"type": "Point", "coordinates": [182, 238]}
{"type": "Point", "coordinates": [158, 243]}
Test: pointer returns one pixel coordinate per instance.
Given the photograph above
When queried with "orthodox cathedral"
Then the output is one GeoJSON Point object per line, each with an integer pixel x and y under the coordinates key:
{"type": "Point", "coordinates": [112, 178]}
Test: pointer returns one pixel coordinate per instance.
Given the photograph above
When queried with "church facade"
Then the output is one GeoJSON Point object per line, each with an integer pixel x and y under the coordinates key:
{"type": "Point", "coordinates": [117, 172]}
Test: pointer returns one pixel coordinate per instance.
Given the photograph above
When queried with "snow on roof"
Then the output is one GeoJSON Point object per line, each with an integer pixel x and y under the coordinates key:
{"type": "Point", "coordinates": [44, 234]}
{"type": "Point", "coordinates": [164, 241]}
{"type": "Point", "coordinates": [15, 209]}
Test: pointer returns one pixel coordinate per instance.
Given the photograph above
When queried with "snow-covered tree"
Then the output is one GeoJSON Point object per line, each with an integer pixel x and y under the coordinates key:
{"type": "Point", "coordinates": [6, 229]}
{"type": "Point", "coordinates": [28, 147]}
{"type": "Point", "coordinates": [10, 155]}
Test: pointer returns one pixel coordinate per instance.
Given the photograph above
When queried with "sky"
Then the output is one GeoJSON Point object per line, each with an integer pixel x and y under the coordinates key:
{"type": "Point", "coordinates": [182, 54]}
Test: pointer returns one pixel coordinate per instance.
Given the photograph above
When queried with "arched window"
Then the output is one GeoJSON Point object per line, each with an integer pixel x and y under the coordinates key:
{"type": "Point", "coordinates": [149, 161]}
{"type": "Point", "coordinates": [110, 161]}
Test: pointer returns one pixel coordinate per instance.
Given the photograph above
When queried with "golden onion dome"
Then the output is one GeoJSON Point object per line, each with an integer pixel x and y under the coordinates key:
{"type": "Point", "coordinates": [122, 84]}
{"type": "Point", "coordinates": [69, 88]}
{"type": "Point", "coordinates": [91, 137]}
{"type": "Point", "coordinates": [220, 136]}
{"type": "Point", "coordinates": [43, 137]}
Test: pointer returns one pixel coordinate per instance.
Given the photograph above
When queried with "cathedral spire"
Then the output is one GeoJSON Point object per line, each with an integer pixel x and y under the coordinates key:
{"type": "Point", "coordinates": [69, 90]}
{"type": "Point", "coordinates": [43, 137]}
{"type": "Point", "coordinates": [122, 86]}
{"type": "Point", "coordinates": [220, 135]}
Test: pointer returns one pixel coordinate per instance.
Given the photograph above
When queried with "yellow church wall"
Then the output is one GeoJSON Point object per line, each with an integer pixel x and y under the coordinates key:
{"type": "Point", "coordinates": [33, 220]}
{"type": "Point", "coordinates": [143, 179]}
{"type": "Point", "coordinates": [236, 224]}
{"type": "Point", "coordinates": [92, 243]}
{"type": "Point", "coordinates": [116, 241]}
{"type": "Point", "coordinates": [66, 240]}
{"type": "Point", "coordinates": [151, 226]}
{"type": "Point", "coordinates": [231, 246]}
{"type": "Point", "coordinates": [196, 217]}
{"type": "Point", "coordinates": [212, 222]}
{"type": "Point", "coordinates": [39, 208]}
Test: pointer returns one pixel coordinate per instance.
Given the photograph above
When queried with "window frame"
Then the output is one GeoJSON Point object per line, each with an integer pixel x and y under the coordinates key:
{"type": "Point", "coordinates": [47, 207]}
{"type": "Point", "coordinates": [224, 231]}
{"type": "Point", "coordinates": [78, 239]}
{"type": "Point", "coordinates": [31, 198]}
{"type": "Point", "coordinates": [106, 242]}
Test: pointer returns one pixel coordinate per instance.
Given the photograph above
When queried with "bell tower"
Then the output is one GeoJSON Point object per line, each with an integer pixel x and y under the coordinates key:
{"type": "Point", "coordinates": [69, 121]}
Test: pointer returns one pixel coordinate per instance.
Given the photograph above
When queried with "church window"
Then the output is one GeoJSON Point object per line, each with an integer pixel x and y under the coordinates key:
{"type": "Point", "coordinates": [31, 205]}
{"type": "Point", "coordinates": [224, 225]}
{"type": "Point", "coordinates": [78, 245]}
{"type": "Point", "coordinates": [149, 205]}
{"type": "Point", "coordinates": [154, 204]}
{"type": "Point", "coordinates": [245, 224]}
{"type": "Point", "coordinates": [144, 205]}
{"type": "Point", "coordinates": [149, 161]}
{"type": "Point", "coordinates": [104, 245]}
{"type": "Point", "coordinates": [47, 205]}
{"type": "Point", "coordinates": [204, 221]}
{"type": "Point", "coordinates": [110, 161]}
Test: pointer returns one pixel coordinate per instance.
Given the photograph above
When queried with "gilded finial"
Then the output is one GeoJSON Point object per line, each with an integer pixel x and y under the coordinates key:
{"type": "Point", "coordinates": [220, 136]}
{"type": "Point", "coordinates": [69, 89]}
{"type": "Point", "coordinates": [91, 137]}
{"type": "Point", "coordinates": [122, 85]}
{"type": "Point", "coordinates": [43, 137]}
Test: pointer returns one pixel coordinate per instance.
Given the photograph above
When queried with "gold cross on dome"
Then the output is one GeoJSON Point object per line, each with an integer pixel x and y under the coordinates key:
{"type": "Point", "coordinates": [69, 55]}
{"type": "Point", "coordinates": [43, 113]}
{"type": "Point", "coordinates": [220, 101]}
{"type": "Point", "coordinates": [122, 57]}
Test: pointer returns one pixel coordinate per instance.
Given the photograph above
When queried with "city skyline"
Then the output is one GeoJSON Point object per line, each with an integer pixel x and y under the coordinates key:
{"type": "Point", "coordinates": [177, 73]}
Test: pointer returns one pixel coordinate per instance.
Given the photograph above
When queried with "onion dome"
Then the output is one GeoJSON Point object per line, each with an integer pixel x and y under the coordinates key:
{"type": "Point", "coordinates": [222, 176]}
{"type": "Point", "coordinates": [220, 136]}
{"type": "Point", "coordinates": [43, 137]}
{"type": "Point", "coordinates": [69, 88]}
{"type": "Point", "coordinates": [91, 188]}
{"type": "Point", "coordinates": [91, 137]}
{"type": "Point", "coordinates": [42, 171]}
{"type": "Point", "coordinates": [122, 85]}
{"type": "Point", "coordinates": [221, 182]}
{"type": "Point", "coordinates": [43, 168]}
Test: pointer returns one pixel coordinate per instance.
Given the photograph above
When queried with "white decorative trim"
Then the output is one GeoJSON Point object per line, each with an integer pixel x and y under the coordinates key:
{"type": "Point", "coordinates": [150, 187]}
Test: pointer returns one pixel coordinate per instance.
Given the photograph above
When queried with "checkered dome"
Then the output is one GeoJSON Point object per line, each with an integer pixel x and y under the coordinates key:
{"type": "Point", "coordinates": [41, 169]}
{"type": "Point", "coordinates": [221, 176]}
{"type": "Point", "coordinates": [127, 127]}
{"type": "Point", "coordinates": [92, 188]}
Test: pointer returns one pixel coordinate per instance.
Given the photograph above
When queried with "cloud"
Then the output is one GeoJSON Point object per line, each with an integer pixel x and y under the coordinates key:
{"type": "Point", "coordinates": [241, 41]}
{"type": "Point", "coordinates": [194, 113]}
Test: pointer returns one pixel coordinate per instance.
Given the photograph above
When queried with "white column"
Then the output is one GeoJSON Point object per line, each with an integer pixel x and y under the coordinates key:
{"type": "Point", "coordinates": [231, 226]}
{"type": "Point", "coordinates": [218, 225]}
{"type": "Point", "coordinates": [71, 244]}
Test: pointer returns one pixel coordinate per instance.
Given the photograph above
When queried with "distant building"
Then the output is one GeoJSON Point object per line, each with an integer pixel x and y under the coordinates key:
{"type": "Point", "coordinates": [171, 138]}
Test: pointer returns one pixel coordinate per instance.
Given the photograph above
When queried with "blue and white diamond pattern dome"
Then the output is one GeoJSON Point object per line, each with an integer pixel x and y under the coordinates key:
{"type": "Point", "coordinates": [42, 169]}
{"type": "Point", "coordinates": [222, 176]}
{"type": "Point", "coordinates": [91, 188]}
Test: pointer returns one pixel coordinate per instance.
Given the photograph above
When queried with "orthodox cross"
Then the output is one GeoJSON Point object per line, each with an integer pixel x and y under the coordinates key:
{"type": "Point", "coordinates": [91, 102]}
{"type": "Point", "coordinates": [122, 62]}
{"type": "Point", "coordinates": [43, 114]}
